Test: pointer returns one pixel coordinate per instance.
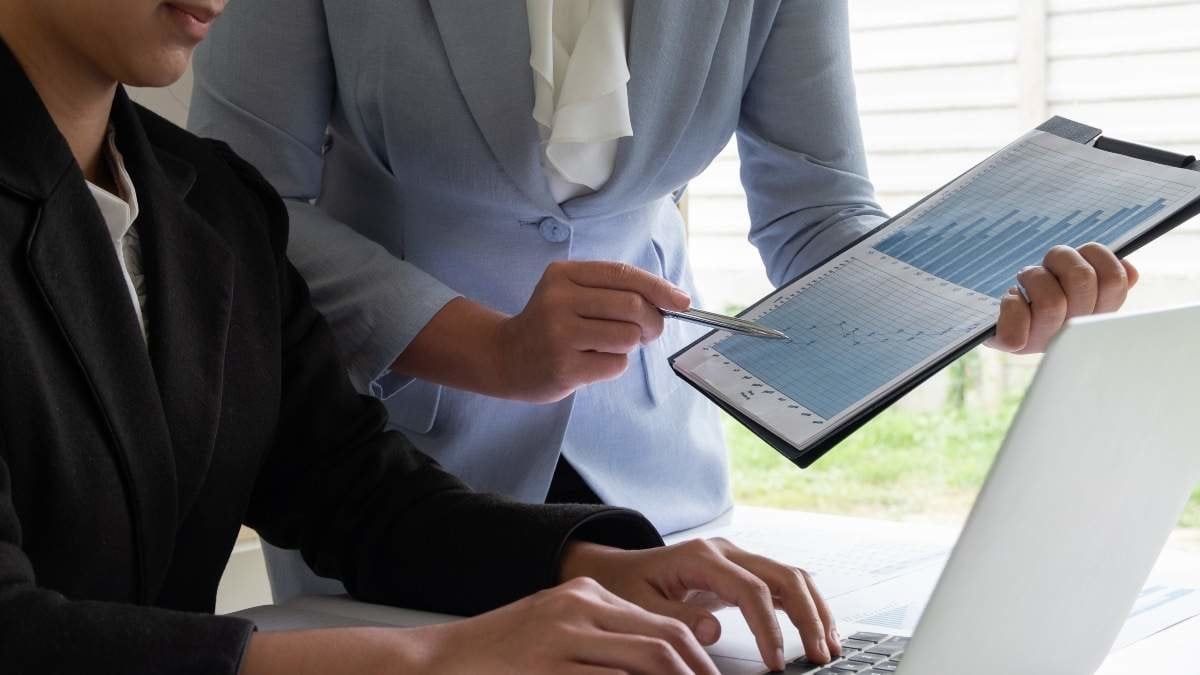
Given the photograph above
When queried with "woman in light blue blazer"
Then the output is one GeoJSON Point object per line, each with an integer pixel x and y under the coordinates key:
{"type": "Point", "coordinates": [449, 263]}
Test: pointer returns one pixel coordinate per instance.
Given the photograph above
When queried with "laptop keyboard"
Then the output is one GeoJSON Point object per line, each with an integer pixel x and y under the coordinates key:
{"type": "Point", "coordinates": [864, 653]}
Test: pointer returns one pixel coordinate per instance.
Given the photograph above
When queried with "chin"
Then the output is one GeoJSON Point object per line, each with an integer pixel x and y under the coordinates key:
{"type": "Point", "coordinates": [163, 70]}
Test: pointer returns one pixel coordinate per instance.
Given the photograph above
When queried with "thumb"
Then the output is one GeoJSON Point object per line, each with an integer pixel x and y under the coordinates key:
{"type": "Point", "coordinates": [704, 625]}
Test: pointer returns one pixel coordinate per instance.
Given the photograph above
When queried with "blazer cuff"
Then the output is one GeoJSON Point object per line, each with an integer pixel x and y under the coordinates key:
{"type": "Point", "coordinates": [561, 524]}
{"type": "Point", "coordinates": [390, 328]}
{"type": "Point", "coordinates": [618, 528]}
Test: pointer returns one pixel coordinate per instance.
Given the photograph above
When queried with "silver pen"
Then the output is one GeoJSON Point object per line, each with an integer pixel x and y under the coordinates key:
{"type": "Point", "coordinates": [729, 323]}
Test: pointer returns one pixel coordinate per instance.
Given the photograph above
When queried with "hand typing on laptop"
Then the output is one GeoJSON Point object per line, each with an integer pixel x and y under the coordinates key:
{"type": "Point", "coordinates": [615, 612]}
{"type": "Point", "coordinates": [687, 580]}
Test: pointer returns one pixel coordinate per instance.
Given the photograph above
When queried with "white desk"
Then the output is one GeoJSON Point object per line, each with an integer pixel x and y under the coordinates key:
{"type": "Point", "coordinates": [781, 535]}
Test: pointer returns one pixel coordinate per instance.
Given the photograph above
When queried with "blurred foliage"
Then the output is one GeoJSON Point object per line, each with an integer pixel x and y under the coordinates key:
{"type": "Point", "coordinates": [901, 465]}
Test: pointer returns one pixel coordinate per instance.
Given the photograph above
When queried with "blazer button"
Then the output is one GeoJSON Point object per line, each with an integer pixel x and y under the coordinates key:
{"type": "Point", "coordinates": [553, 231]}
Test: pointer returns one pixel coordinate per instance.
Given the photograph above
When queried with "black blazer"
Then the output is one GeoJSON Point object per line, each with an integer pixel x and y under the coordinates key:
{"type": "Point", "coordinates": [126, 472]}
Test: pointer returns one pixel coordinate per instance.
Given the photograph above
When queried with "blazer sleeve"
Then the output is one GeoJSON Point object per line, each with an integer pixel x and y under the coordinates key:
{"type": "Point", "coordinates": [364, 506]}
{"type": "Point", "coordinates": [803, 162]}
{"type": "Point", "coordinates": [275, 114]}
{"type": "Point", "coordinates": [41, 631]}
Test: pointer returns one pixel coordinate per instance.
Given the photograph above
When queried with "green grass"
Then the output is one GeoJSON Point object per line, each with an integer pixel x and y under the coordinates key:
{"type": "Point", "coordinates": [902, 465]}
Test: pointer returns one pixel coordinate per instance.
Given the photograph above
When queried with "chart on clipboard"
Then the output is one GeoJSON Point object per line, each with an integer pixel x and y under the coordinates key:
{"type": "Point", "coordinates": [926, 284]}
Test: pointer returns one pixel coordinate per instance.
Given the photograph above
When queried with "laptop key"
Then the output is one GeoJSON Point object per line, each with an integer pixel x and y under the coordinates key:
{"type": "Point", "coordinates": [871, 659]}
{"type": "Point", "coordinates": [797, 668]}
{"type": "Point", "coordinates": [869, 637]}
{"type": "Point", "coordinates": [885, 649]}
{"type": "Point", "coordinates": [803, 665]}
{"type": "Point", "coordinates": [857, 645]}
{"type": "Point", "coordinates": [889, 667]}
{"type": "Point", "coordinates": [849, 667]}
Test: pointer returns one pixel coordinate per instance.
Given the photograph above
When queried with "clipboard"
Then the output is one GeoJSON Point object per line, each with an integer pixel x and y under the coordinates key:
{"type": "Point", "coordinates": [1058, 126]}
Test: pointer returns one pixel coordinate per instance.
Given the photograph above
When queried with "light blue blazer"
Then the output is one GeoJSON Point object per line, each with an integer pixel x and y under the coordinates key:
{"type": "Point", "coordinates": [428, 186]}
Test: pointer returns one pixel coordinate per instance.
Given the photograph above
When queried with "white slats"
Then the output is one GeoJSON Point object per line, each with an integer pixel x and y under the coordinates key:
{"type": "Point", "coordinates": [935, 45]}
{"type": "Point", "coordinates": [941, 83]}
{"type": "Point", "coordinates": [868, 15]}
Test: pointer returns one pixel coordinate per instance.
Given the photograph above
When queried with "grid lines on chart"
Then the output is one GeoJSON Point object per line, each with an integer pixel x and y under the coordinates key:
{"type": "Point", "coordinates": [853, 329]}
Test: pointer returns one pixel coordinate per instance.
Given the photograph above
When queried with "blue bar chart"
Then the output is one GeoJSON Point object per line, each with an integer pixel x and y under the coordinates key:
{"type": "Point", "coordinates": [985, 232]}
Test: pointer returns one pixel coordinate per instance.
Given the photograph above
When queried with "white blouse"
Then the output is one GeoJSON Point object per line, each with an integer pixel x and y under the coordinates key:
{"type": "Point", "coordinates": [581, 104]}
{"type": "Point", "coordinates": [119, 212]}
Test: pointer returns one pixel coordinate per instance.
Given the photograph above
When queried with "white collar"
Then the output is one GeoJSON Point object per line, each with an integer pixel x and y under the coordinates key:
{"type": "Point", "coordinates": [120, 210]}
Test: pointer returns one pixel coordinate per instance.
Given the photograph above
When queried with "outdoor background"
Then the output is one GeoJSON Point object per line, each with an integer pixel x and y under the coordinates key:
{"type": "Point", "coordinates": [942, 84]}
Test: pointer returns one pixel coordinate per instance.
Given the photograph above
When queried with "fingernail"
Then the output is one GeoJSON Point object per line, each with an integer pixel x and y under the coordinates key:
{"type": "Point", "coordinates": [707, 630]}
{"type": "Point", "coordinates": [681, 297]}
{"type": "Point", "coordinates": [780, 663]}
{"type": "Point", "coordinates": [835, 640]}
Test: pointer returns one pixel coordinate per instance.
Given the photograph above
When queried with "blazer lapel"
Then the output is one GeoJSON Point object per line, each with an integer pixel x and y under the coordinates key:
{"type": "Point", "coordinates": [190, 276]}
{"type": "Point", "coordinates": [72, 259]}
{"type": "Point", "coordinates": [487, 43]}
{"type": "Point", "coordinates": [665, 85]}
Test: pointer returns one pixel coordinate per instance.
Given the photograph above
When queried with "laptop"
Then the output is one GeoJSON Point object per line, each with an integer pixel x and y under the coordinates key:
{"type": "Point", "coordinates": [1092, 477]}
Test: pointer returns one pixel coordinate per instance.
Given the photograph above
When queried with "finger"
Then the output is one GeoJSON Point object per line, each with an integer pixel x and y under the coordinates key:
{"type": "Point", "coordinates": [1076, 277]}
{"type": "Point", "coordinates": [610, 337]}
{"type": "Point", "coordinates": [583, 669]}
{"type": "Point", "coordinates": [826, 614]}
{"type": "Point", "coordinates": [798, 598]}
{"type": "Point", "coordinates": [1131, 271]}
{"type": "Point", "coordinates": [1112, 281]}
{"type": "Point", "coordinates": [599, 367]}
{"type": "Point", "coordinates": [628, 652]}
{"type": "Point", "coordinates": [618, 615]}
{"type": "Point", "coordinates": [1048, 307]}
{"type": "Point", "coordinates": [712, 571]}
{"type": "Point", "coordinates": [627, 306]}
{"type": "Point", "coordinates": [702, 623]}
{"type": "Point", "coordinates": [623, 276]}
{"type": "Point", "coordinates": [1012, 328]}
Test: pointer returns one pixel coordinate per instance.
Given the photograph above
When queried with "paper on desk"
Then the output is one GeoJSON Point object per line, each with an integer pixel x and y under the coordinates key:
{"type": "Point", "coordinates": [841, 560]}
{"type": "Point", "coordinates": [1158, 608]}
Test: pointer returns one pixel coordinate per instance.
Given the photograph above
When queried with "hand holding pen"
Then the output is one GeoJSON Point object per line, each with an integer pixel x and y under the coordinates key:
{"type": "Point", "coordinates": [580, 325]}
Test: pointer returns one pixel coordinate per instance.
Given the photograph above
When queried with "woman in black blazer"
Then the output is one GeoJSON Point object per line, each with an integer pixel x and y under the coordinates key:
{"type": "Point", "coordinates": [162, 385]}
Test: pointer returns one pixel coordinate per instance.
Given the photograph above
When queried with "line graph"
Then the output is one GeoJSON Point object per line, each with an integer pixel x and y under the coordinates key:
{"type": "Point", "coordinates": [846, 343]}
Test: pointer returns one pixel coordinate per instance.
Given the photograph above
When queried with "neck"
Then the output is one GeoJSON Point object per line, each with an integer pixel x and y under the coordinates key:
{"type": "Point", "coordinates": [77, 95]}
